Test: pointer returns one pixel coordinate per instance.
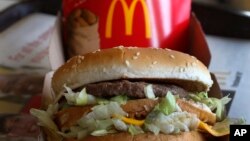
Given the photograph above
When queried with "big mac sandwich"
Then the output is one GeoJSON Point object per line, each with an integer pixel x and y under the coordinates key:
{"type": "Point", "coordinates": [133, 94]}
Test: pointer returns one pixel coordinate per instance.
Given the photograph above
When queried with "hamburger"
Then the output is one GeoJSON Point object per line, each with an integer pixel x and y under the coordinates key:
{"type": "Point", "coordinates": [133, 94]}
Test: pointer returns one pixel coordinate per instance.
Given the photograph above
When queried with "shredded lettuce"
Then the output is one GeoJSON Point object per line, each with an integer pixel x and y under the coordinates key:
{"type": "Point", "coordinates": [44, 119]}
{"type": "Point", "coordinates": [135, 130]}
{"type": "Point", "coordinates": [79, 98]}
{"type": "Point", "coordinates": [166, 117]}
{"type": "Point", "coordinates": [102, 132]}
{"type": "Point", "coordinates": [236, 121]}
{"type": "Point", "coordinates": [149, 93]}
{"type": "Point", "coordinates": [82, 98]}
{"type": "Point", "coordinates": [213, 103]}
{"type": "Point", "coordinates": [202, 97]}
{"type": "Point", "coordinates": [175, 122]}
{"type": "Point", "coordinates": [100, 118]}
{"type": "Point", "coordinates": [121, 99]}
{"type": "Point", "coordinates": [93, 127]}
{"type": "Point", "coordinates": [152, 116]}
{"type": "Point", "coordinates": [152, 128]}
{"type": "Point", "coordinates": [102, 101]}
{"type": "Point", "coordinates": [52, 109]}
{"type": "Point", "coordinates": [223, 127]}
{"type": "Point", "coordinates": [115, 108]}
{"type": "Point", "coordinates": [220, 104]}
{"type": "Point", "coordinates": [104, 124]}
{"type": "Point", "coordinates": [100, 112]}
{"type": "Point", "coordinates": [120, 125]}
{"type": "Point", "coordinates": [168, 104]}
{"type": "Point", "coordinates": [87, 123]}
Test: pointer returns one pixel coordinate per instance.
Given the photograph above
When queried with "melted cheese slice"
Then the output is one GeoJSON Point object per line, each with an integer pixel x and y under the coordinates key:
{"type": "Point", "coordinates": [218, 130]}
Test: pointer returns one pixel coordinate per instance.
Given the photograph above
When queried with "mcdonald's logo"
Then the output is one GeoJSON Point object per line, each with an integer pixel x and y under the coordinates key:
{"type": "Point", "coordinates": [129, 16]}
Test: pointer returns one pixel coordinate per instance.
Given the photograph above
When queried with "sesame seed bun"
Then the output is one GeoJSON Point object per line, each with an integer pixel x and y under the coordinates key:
{"type": "Point", "coordinates": [133, 63]}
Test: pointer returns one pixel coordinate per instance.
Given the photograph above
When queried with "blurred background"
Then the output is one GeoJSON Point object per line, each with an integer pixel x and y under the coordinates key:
{"type": "Point", "coordinates": [26, 26]}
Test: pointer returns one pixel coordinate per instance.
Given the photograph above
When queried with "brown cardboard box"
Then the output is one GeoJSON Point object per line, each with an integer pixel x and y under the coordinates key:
{"type": "Point", "coordinates": [197, 46]}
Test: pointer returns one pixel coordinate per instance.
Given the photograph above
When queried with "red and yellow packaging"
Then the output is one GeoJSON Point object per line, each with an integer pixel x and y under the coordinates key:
{"type": "Point", "coordinates": [97, 24]}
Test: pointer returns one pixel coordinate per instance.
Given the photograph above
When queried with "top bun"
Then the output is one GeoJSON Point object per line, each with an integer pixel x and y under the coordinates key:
{"type": "Point", "coordinates": [133, 63]}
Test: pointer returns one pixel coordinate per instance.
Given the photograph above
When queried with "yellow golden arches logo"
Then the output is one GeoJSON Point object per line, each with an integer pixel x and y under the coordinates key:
{"type": "Point", "coordinates": [129, 16]}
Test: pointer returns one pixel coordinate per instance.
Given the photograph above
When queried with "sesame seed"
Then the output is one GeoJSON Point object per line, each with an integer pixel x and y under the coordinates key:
{"type": "Point", "coordinates": [96, 51]}
{"type": "Point", "coordinates": [81, 57]}
{"type": "Point", "coordinates": [172, 56]}
{"type": "Point", "coordinates": [137, 53]}
{"type": "Point", "coordinates": [135, 57]}
{"type": "Point", "coordinates": [167, 49]}
{"type": "Point", "coordinates": [155, 62]}
{"type": "Point", "coordinates": [119, 47]}
{"type": "Point", "coordinates": [127, 62]}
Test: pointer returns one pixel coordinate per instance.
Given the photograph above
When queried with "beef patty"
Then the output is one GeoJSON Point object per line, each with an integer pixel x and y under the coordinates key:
{"type": "Point", "coordinates": [131, 89]}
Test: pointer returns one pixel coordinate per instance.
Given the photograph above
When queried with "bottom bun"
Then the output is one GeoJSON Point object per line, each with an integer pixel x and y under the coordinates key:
{"type": "Point", "coordinates": [184, 136]}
